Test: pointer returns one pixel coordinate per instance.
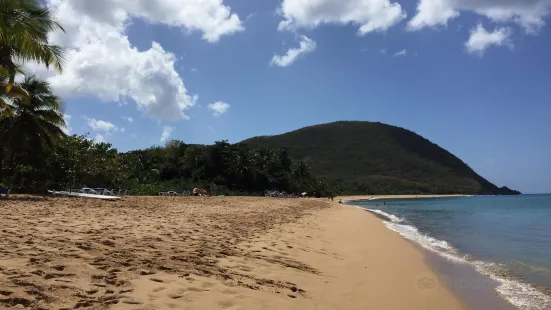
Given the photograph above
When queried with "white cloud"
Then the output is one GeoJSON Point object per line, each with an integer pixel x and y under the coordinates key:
{"type": "Point", "coordinates": [210, 17]}
{"type": "Point", "coordinates": [481, 39]}
{"type": "Point", "coordinates": [403, 52]}
{"type": "Point", "coordinates": [99, 138]}
{"type": "Point", "coordinates": [67, 130]}
{"type": "Point", "coordinates": [112, 70]}
{"type": "Point", "coordinates": [167, 131]}
{"type": "Point", "coordinates": [128, 118]}
{"type": "Point", "coordinates": [103, 129]}
{"type": "Point", "coordinates": [218, 108]}
{"type": "Point", "coordinates": [432, 13]}
{"type": "Point", "coordinates": [101, 61]}
{"type": "Point", "coordinates": [123, 130]}
{"type": "Point", "coordinates": [369, 15]}
{"type": "Point", "coordinates": [527, 13]}
{"type": "Point", "coordinates": [306, 46]}
{"type": "Point", "coordinates": [100, 125]}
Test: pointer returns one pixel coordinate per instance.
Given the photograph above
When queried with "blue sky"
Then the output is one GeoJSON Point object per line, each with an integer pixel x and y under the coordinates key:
{"type": "Point", "coordinates": [471, 76]}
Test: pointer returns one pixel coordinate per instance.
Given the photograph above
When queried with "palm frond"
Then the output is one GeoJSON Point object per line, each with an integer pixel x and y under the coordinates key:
{"type": "Point", "coordinates": [24, 28]}
{"type": "Point", "coordinates": [35, 120]}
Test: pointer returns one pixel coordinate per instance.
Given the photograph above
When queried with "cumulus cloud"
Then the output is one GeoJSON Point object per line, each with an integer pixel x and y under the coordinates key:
{"type": "Point", "coordinates": [211, 18]}
{"type": "Point", "coordinates": [101, 125]}
{"type": "Point", "coordinates": [101, 61]}
{"type": "Point", "coordinates": [218, 108]}
{"type": "Point", "coordinates": [128, 119]}
{"type": "Point", "coordinates": [306, 46]}
{"type": "Point", "coordinates": [369, 15]}
{"type": "Point", "coordinates": [431, 13]}
{"type": "Point", "coordinates": [167, 131]}
{"type": "Point", "coordinates": [400, 53]}
{"type": "Point", "coordinates": [527, 13]}
{"type": "Point", "coordinates": [99, 138]}
{"type": "Point", "coordinates": [481, 39]}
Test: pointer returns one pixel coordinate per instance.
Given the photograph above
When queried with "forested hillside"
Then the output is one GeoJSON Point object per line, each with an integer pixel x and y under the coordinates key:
{"type": "Point", "coordinates": [367, 157]}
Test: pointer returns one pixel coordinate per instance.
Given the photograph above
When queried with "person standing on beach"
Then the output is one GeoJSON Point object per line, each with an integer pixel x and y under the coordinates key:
{"type": "Point", "coordinates": [213, 188]}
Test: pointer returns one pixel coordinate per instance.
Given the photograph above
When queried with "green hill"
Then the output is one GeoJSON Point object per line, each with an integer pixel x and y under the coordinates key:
{"type": "Point", "coordinates": [365, 157]}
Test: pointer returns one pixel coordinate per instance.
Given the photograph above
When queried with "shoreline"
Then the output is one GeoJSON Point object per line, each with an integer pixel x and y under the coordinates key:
{"type": "Point", "coordinates": [477, 282]}
{"type": "Point", "coordinates": [378, 197]}
{"type": "Point", "coordinates": [395, 273]}
{"type": "Point", "coordinates": [209, 253]}
{"type": "Point", "coordinates": [474, 289]}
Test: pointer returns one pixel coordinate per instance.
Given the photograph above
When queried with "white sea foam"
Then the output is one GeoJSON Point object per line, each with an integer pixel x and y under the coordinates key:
{"type": "Point", "coordinates": [395, 223]}
{"type": "Point", "coordinates": [391, 217]}
{"type": "Point", "coordinates": [521, 295]}
{"type": "Point", "coordinates": [439, 246]}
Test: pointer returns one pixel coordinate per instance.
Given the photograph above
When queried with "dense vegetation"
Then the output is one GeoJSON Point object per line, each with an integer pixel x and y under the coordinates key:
{"type": "Point", "coordinates": [75, 161]}
{"type": "Point", "coordinates": [375, 158]}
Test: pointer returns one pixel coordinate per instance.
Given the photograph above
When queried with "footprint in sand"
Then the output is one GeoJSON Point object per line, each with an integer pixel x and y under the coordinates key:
{"type": "Point", "coordinates": [175, 295]}
{"type": "Point", "coordinates": [156, 280]}
{"type": "Point", "coordinates": [195, 289]}
{"type": "Point", "coordinates": [59, 267]}
{"type": "Point", "coordinates": [130, 301]}
{"type": "Point", "coordinates": [158, 289]}
{"type": "Point", "coordinates": [124, 291]}
{"type": "Point", "coordinates": [38, 272]}
{"type": "Point", "coordinates": [245, 268]}
{"type": "Point", "coordinates": [57, 275]}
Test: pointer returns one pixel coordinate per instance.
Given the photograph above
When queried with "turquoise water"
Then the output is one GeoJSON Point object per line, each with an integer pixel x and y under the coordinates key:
{"type": "Point", "coordinates": [505, 237]}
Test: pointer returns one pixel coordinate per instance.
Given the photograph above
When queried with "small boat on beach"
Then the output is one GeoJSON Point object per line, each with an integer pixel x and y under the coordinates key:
{"type": "Point", "coordinates": [84, 195]}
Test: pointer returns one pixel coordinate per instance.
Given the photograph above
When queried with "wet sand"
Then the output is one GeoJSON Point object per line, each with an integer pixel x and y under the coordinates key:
{"type": "Point", "coordinates": [476, 290]}
{"type": "Point", "coordinates": [208, 253]}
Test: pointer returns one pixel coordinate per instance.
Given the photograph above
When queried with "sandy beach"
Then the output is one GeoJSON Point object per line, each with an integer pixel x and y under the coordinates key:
{"type": "Point", "coordinates": [207, 253]}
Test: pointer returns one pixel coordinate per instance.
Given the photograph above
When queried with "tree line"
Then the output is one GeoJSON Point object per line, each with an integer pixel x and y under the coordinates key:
{"type": "Point", "coordinates": [75, 161]}
{"type": "Point", "coordinates": [36, 154]}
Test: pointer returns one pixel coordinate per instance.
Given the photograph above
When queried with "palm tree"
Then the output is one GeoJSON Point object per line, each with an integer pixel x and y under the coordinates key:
{"type": "Point", "coordinates": [17, 92]}
{"type": "Point", "coordinates": [241, 164]}
{"type": "Point", "coordinates": [302, 173]}
{"type": "Point", "coordinates": [24, 28]}
{"type": "Point", "coordinates": [34, 123]}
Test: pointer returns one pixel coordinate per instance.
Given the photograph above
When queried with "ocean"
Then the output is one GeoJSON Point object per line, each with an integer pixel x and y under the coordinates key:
{"type": "Point", "coordinates": [507, 238]}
